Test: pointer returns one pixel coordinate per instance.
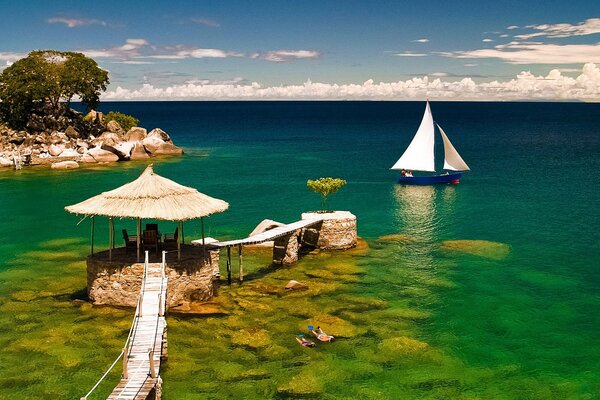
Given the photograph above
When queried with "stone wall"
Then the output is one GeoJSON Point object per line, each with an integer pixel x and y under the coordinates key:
{"type": "Point", "coordinates": [285, 249]}
{"type": "Point", "coordinates": [337, 232]}
{"type": "Point", "coordinates": [117, 282]}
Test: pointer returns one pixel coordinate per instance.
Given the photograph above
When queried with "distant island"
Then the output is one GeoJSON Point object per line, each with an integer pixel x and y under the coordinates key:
{"type": "Point", "coordinates": [38, 126]}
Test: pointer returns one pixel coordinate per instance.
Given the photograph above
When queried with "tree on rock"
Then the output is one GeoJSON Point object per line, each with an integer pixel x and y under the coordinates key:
{"type": "Point", "coordinates": [44, 80]}
{"type": "Point", "coordinates": [325, 187]}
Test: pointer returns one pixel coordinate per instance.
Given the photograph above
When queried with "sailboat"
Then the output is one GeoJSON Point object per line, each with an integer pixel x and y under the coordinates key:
{"type": "Point", "coordinates": [420, 156]}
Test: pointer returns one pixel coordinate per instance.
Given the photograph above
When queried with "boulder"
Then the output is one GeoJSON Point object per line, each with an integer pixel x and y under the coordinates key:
{"type": "Point", "coordinates": [136, 134]}
{"type": "Point", "coordinates": [69, 153]}
{"type": "Point", "coordinates": [82, 143]}
{"type": "Point", "coordinates": [5, 162]}
{"type": "Point", "coordinates": [114, 126]}
{"type": "Point", "coordinates": [167, 149]}
{"type": "Point", "coordinates": [94, 116]}
{"type": "Point", "coordinates": [87, 158]}
{"type": "Point", "coordinates": [151, 143]}
{"type": "Point", "coordinates": [102, 156]}
{"type": "Point", "coordinates": [295, 285]}
{"type": "Point", "coordinates": [65, 165]}
{"type": "Point", "coordinates": [109, 138]}
{"type": "Point", "coordinates": [122, 156]}
{"type": "Point", "coordinates": [58, 137]}
{"type": "Point", "coordinates": [72, 133]}
{"type": "Point", "coordinates": [56, 149]}
{"type": "Point", "coordinates": [159, 134]}
{"type": "Point", "coordinates": [125, 148]}
{"type": "Point", "coordinates": [138, 152]}
{"type": "Point", "coordinates": [265, 225]}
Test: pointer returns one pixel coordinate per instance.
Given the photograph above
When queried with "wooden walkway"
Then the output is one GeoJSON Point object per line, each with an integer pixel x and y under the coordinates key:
{"type": "Point", "coordinates": [146, 343]}
{"type": "Point", "coordinates": [265, 236]}
{"type": "Point", "coordinates": [146, 347]}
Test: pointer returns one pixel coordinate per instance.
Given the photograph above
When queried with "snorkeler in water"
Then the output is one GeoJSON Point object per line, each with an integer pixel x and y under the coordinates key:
{"type": "Point", "coordinates": [306, 343]}
{"type": "Point", "coordinates": [322, 336]}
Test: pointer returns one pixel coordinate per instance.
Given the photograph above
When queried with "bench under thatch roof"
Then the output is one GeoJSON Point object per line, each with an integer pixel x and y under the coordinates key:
{"type": "Point", "coordinates": [151, 196]}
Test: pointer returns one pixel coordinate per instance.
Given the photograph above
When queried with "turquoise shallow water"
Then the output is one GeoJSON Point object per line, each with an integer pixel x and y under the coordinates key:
{"type": "Point", "coordinates": [488, 289]}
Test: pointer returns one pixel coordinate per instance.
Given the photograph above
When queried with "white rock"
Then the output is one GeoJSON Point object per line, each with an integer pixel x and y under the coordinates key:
{"type": "Point", "coordinates": [69, 153]}
{"type": "Point", "coordinates": [65, 165]}
{"type": "Point", "coordinates": [55, 149]}
{"type": "Point", "coordinates": [5, 162]}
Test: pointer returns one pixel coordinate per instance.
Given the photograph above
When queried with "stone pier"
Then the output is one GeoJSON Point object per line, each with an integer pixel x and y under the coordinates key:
{"type": "Point", "coordinates": [337, 232]}
{"type": "Point", "coordinates": [117, 282]}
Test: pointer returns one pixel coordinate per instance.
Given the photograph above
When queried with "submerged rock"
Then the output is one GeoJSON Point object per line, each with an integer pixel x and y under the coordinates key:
{"type": "Point", "coordinates": [398, 237]}
{"type": "Point", "coordinates": [65, 165]}
{"type": "Point", "coordinates": [295, 285]}
{"type": "Point", "coordinates": [254, 337]}
{"type": "Point", "coordinates": [403, 345]}
{"type": "Point", "coordinates": [302, 384]}
{"type": "Point", "coordinates": [481, 248]}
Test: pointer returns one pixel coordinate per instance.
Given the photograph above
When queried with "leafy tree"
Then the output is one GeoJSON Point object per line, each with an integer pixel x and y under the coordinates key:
{"type": "Point", "coordinates": [126, 121]}
{"type": "Point", "coordinates": [44, 79]}
{"type": "Point", "coordinates": [325, 187]}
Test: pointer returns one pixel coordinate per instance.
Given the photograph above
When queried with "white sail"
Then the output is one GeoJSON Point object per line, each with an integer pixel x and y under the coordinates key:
{"type": "Point", "coordinates": [419, 156]}
{"type": "Point", "coordinates": [452, 160]}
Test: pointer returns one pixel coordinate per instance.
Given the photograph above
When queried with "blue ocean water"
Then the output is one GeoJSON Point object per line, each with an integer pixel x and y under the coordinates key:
{"type": "Point", "coordinates": [505, 264]}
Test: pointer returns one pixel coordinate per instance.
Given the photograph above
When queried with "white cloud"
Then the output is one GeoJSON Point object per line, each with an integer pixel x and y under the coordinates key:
{"type": "Point", "coordinates": [10, 56]}
{"type": "Point", "coordinates": [131, 48]}
{"type": "Point", "coordinates": [439, 74]}
{"type": "Point", "coordinates": [181, 53]}
{"type": "Point", "coordinates": [471, 65]}
{"type": "Point", "coordinates": [535, 53]}
{"type": "Point", "coordinates": [75, 22]}
{"type": "Point", "coordinates": [287, 55]}
{"type": "Point", "coordinates": [587, 27]}
{"type": "Point", "coordinates": [486, 40]}
{"type": "Point", "coordinates": [504, 35]}
{"type": "Point", "coordinates": [512, 27]}
{"type": "Point", "coordinates": [422, 40]}
{"type": "Point", "coordinates": [410, 54]}
{"type": "Point", "coordinates": [524, 86]}
{"type": "Point", "coordinates": [206, 22]}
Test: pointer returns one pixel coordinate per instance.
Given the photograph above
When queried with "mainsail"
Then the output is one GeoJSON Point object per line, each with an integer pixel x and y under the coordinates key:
{"type": "Point", "coordinates": [452, 160]}
{"type": "Point", "coordinates": [419, 156]}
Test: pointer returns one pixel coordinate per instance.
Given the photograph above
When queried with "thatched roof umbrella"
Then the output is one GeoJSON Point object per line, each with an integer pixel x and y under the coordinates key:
{"type": "Point", "coordinates": [150, 196]}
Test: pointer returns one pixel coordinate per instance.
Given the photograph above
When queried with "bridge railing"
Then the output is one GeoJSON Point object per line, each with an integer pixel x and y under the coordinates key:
{"type": "Point", "coordinates": [125, 352]}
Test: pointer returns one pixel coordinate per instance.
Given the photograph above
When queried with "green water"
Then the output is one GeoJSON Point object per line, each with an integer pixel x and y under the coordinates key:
{"type": "Point", "coordinates": [486, 290]}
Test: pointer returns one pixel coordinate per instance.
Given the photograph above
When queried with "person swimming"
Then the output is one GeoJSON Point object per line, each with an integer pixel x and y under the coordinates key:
{"type": "Point", "coordinates": [306, 343]}
{"type": "Point", "coordinates": [322, 336]}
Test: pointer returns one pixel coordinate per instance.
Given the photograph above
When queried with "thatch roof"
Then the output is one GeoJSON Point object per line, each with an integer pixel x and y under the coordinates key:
{"type": "Point", "coordinates": [151, 197]}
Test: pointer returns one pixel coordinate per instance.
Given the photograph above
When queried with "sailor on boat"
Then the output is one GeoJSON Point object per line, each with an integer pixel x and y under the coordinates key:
{"type": "Point", "coordinates": [420, 156]}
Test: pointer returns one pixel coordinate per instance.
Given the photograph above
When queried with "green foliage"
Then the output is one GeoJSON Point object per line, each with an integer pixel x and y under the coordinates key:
{"type": "Point", "coordinates": [325, 187]}
{"type": "Point", "coordinates": [126, 121]}
{"type": "Point", "coordinates": [45, 78]}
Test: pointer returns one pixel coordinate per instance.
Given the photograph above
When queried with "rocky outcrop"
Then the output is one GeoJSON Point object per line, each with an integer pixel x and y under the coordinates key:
{"type": "Point", "coordinates": [81, 139]}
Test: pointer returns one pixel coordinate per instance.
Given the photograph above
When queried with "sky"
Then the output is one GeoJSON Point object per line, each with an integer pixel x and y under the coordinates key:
{"type": "Point", "coordinates": [390, 50]}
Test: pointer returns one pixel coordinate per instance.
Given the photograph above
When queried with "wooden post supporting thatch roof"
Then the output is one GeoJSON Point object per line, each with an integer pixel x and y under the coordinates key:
{"type": "Point", "coordinates": [151, 196]}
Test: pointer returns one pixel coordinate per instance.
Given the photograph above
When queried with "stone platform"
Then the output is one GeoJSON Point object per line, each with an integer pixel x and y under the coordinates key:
{"type": "Point", "coordinates": [117, 281]}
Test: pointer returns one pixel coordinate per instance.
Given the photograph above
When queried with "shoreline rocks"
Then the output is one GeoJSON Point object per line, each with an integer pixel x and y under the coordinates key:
{"type": "Point", "coordinates": [111, 144]}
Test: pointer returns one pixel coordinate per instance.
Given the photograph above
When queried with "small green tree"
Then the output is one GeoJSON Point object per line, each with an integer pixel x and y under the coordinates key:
{"type": "Point", "coordinates": [325, 187]}
{"type": "Point", "coordinates": [44, 79]}
{"type": "Point", "coordinates": [126, 121]}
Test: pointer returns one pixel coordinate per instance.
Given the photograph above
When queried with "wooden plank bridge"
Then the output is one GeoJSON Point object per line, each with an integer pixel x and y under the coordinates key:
{"type": "Point", "coordinates": [143, 350]}
{"type": "Point", "coordinates": [278, 235]}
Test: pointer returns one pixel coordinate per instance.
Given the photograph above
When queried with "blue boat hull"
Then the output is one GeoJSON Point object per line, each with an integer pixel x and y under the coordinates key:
{"type": "Point", "coordinates": [430, 180]}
